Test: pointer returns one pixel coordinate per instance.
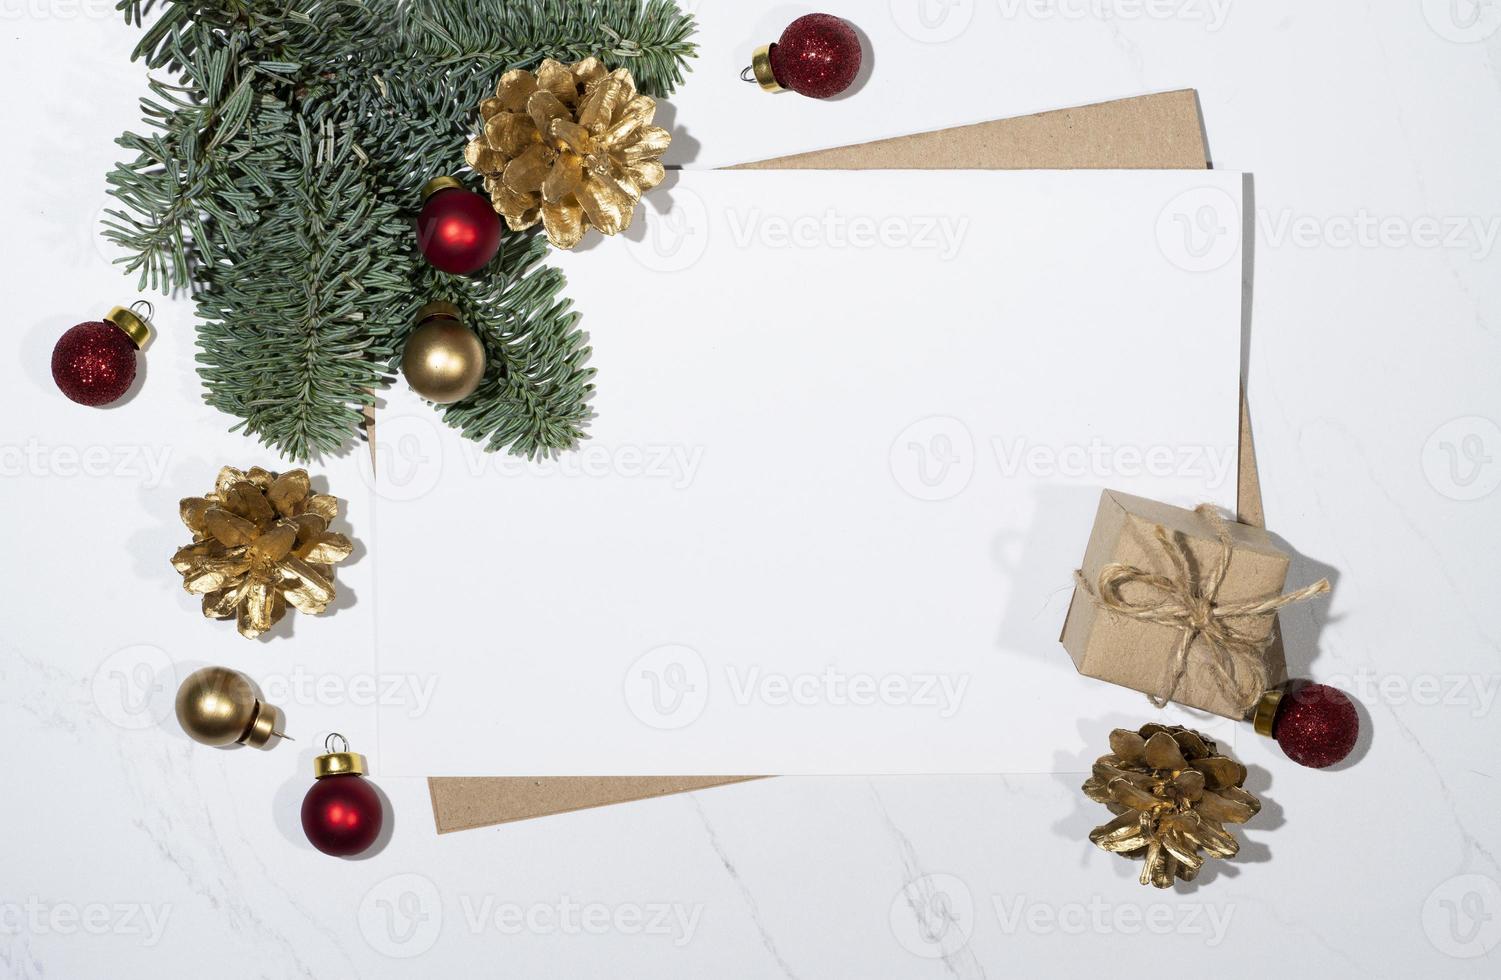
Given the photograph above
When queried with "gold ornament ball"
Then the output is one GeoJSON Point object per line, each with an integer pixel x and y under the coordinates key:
{"type": "Point", "coordinates": [218, 706]}
{"type": "Point", "coordinates": [444, 361]}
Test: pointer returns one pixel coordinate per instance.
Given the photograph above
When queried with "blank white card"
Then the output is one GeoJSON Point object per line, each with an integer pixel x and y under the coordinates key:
{"type": "Point", "coordinates": [851, 433]}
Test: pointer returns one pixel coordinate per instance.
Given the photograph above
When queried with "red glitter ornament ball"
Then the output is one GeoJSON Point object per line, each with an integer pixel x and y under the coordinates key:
{"type": "Point", "coordinates": [1316, 726]}
{"type": "Point", "coordinates": [94, 363]}
{"type": "Point", "coordinates": [818, 56]}
{"type": "Point", "coordinates": [342, 814]}
{"type": "Point", "coordinates": [458, 231]}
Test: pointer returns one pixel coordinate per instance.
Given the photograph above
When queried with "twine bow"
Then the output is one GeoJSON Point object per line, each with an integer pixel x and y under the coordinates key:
{"type": "Point", "coordinates": [1237, 660]}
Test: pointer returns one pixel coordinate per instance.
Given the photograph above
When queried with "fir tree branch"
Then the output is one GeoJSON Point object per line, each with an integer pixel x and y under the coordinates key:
{"type": "Point", "coordinates": [300, 315]}
{"type": "Point", "coordinates": [286, 144]}
{"type": "Point", "coordinates": [166, 189]}
{"type": "Point", "coordinates": [492, 36]}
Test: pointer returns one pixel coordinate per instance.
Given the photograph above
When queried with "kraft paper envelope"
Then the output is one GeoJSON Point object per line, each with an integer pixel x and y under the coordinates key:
{"type": "Point", "coordinates": [1158, 131]}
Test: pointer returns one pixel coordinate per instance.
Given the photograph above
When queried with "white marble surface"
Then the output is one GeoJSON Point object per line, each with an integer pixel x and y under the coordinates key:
{"type": "Point", "coordinates": [1371, 131]}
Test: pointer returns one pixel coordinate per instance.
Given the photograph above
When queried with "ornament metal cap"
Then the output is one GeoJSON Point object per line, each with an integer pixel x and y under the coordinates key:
{"type": "Point", "coordinates": [760, 70]}
{"type": "Point", "coordinates": [136, 327]}
{"type": "Point", "coordinates": [444, 183]}
{"type": "Point", "coordinates": [338, 762]}
{"type": "Point", "coordinates": [1265, 718]}
{"type": "Point", "coordinates": [218, 706]}
{"type": "Point", "coordinates": [439, 310]}
{"type": "Point", "coordinates": [266, 729]}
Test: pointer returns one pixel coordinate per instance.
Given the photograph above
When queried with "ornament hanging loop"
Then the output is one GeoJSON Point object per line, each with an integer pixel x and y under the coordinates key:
{"type": "Point", "coordinates": [144, 308]}
{"type": "Point", "coordinates": [337, 759]}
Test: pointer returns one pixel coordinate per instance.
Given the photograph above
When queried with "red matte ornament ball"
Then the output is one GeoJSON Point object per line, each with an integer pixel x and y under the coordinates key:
{"type": "Point", "coordinates": [818, 56]}
{"type": "Point", "coordinates": [94, 363]}
{"type": "Point", "coordinates": [1317, 726]}
{"type": "Point", "coordinates": [342, 815]}
{"type": "Point", "coordinates": [458, 231]}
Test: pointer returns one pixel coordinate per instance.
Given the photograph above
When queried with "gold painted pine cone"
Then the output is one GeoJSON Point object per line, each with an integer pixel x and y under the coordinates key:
{"type": "Point", "coordinates": [569, 146]}
{"type": "Point", "coordinates": [260, 541]}
{"type": "Point", "coordinates": [1172, 793]}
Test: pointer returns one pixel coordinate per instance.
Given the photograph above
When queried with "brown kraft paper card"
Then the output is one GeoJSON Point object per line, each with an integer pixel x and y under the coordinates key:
{"type": "Point", "coordinates": [1152, 132]}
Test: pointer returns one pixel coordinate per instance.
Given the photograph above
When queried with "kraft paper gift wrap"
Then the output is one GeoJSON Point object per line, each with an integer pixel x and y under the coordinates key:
{"type": "Point", "coordinates": [1140, 655]}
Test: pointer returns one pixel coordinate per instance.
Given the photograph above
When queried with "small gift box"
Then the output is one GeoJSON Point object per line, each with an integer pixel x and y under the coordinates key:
{"type": "Point", "coordinates": [1180, 605]}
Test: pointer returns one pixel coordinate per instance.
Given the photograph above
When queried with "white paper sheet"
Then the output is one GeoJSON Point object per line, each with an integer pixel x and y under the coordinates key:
{"type": "Point", "coordinates": [851, 433]}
